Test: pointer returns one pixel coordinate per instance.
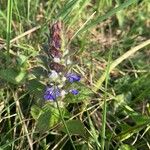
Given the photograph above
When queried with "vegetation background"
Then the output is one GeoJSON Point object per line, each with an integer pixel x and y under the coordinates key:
{"type": "Point", "coordinates": [109, 43]}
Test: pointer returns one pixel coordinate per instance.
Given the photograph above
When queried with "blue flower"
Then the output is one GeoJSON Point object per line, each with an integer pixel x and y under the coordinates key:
{"type": "Point", "coordinates": [74, 91]}
{"type": "Point", "coordinates": [72, 77]}
{"type": "Point", "coordinates": [51, 93]}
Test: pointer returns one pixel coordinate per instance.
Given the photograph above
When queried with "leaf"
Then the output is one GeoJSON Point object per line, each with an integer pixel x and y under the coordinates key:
{"type": "Point", "coordinates": [21, 76]}
{"type": "Point", "coordinates": [126, 147]}
{"type": "Point", "coordinates": [75, 127]}
{"type": "Point", "coordinates": [12, 75]}
{"type": "Point", "coordinates": [35, 111]}
{"type": "Point", "coordinates": [39, 72]}
{"type": "Point", "coordinates": [43, 122]}
{"type": "Point", "coordinates": [35, 86]}
{"type": "Point", "coordinates": [130, 131]}
{"type": "Point", "coordinates": [48, 118]}
{"type": "Point", "coordinates": [137, 117]}
{"type": "Point", "coordinates": [138, 88]}
{"type": "Point", "coordinates": [121, 100]}
{"type": "Point", "coordinates": [22, 59]}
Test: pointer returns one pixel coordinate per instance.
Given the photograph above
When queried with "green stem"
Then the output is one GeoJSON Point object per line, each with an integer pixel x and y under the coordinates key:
{"type": "Point", "coordinates": [28, 13]}
{"type": "Point", "coordinates": [9, 19]}
{"type": "Point", "coordinates": [103, 136]}
{"type": "Point", "coordinates": [64, 123]}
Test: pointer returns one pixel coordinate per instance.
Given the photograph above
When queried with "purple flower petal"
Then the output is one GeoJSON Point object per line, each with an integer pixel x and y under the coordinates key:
{"type": "Point", "coordinates": [72, 77]}
{"type": "Point", "coordinates": [74, 91]}
{"type": "Point", "coordinates": [51, 93]}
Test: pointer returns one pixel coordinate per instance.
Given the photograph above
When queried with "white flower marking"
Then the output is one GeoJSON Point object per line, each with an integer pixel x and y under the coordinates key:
{"type": "Point", "coordinates": [53, 75]}
{"type": "Point", "coordinates": [63, 93]}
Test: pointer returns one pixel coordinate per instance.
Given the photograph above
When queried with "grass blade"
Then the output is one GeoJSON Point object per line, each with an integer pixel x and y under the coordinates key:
{"type": "Point", "coordinates": [105, 106]}
{"type": "Point", "coordinates": [9, 19]}
{"type": "Point", "coordinates": [107, 15]}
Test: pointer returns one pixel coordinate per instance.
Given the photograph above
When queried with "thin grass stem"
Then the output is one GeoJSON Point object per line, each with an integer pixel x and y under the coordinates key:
{"type": "Point", "coordinates": [21, 117]}
{"type": "Point", "coordinates": [9, 19]}
{"type": "Point", "coordinates": [104, 112]}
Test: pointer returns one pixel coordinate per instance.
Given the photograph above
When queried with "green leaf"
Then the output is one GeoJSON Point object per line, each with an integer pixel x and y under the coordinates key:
{"type": "Point", "coordinates": [126, 147]}
{"type": "Point", "coordinates": [35, 86]}
{"type": "Point", "coordinates": [48, 118]}
{"type": "Point", "coordinates": [12, 75]}
{"type": "Point", "coordinates": [22, 59]}
{"type": "Point", "coordinates": [75, 127]}
{"type": "Point", "coordinates": [130, 131]}
{"type": "Point", "coordinates": [44, 120]}
{"type": "Point", "coordinates": [35, 111]}
{"type": "Point", "coordinates": [122, 100]}
{"type": "Point", "coordinates": [137, 117]}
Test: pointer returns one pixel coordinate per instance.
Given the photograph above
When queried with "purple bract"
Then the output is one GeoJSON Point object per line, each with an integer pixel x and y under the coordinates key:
{"type": "Point", "coordinates": [56, 42]}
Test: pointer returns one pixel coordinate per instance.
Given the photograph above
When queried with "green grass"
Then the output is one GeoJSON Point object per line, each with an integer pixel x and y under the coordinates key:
{"type": "Point", "coordinates": [109, 43]}
{"type": "Point", "coordinates": [9, 19]}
